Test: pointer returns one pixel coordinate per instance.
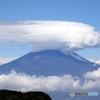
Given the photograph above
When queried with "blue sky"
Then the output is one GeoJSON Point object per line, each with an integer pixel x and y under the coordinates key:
{"type": "Point", "coordinates": [84, 11]}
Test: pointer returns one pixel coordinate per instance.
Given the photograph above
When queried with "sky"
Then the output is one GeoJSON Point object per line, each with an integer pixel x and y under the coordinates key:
{"type": "Point", "coordinates": [33, 25]}
{"type": "Point", "coordinates": [19, 13]}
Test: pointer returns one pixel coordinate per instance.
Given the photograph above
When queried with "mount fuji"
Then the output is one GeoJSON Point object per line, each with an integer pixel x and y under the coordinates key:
{"type": "Point", "coordinates": [49, 63]}
{"type": "Point", "coordinates": [52, 63]}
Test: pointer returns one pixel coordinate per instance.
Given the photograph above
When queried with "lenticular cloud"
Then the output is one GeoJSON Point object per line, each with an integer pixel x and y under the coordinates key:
{"type": "Point", "coordinates": [45, 35]}
{"type": "Point", "coordinates": [24, 82]}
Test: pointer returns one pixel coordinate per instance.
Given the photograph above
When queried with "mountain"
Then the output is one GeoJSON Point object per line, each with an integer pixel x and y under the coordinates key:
{"type": "Point", "coordinates": [0, 64]}
{"type": "Point", "coordinates": [53, 62]}
{"type": "Point", "coordinates": [50, 62]}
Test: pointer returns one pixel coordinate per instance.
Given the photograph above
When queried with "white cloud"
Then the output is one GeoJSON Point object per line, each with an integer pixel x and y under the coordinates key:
{"type": "Point", "coordinates": [4, 60]}
{"type": "Point", "coordinates": [61, 35]}
{"type": "Point", "coordinates": [24, 82]}
{"type": "Point", "coordinates": [93, 75]}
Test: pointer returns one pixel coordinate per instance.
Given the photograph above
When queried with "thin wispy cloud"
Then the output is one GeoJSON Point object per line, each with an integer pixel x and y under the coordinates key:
{"type": "Point", "coordinates": [4, 60]}
{"type": "Point", "coordinates": [43, 35]}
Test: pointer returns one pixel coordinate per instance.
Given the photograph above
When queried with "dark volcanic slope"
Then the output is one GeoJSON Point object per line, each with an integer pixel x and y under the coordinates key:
{"type": "Point", "coordinates": [49, 62]}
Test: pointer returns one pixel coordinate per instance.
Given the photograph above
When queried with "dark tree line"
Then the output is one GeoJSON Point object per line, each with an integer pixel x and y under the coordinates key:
{"type": "Point", "coordinates": [15, 95]}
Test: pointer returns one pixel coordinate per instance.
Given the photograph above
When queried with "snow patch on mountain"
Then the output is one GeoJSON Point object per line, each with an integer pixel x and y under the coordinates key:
{"type": "Point", "coordinates": [96, 61]}
{"type": "Point", "coordinates": [78, 57]}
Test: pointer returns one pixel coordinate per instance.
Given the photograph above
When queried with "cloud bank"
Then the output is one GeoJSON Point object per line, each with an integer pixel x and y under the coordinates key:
{"type": "Point", "coordinates": [43, 35]}
{"type": "Point", "coordinates": [24, 82]}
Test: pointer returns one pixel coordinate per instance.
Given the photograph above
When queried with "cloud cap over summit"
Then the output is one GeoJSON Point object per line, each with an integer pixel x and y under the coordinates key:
{"type": "Point", "coordinates": [44, 35]}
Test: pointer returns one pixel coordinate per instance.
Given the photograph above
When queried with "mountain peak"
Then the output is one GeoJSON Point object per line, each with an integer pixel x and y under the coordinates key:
{"type": "Point", "coordinates": [49, 62]}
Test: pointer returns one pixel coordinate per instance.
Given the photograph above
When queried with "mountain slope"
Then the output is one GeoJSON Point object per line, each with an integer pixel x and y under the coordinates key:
{"type": "Point", "coordinates": [50, 62]}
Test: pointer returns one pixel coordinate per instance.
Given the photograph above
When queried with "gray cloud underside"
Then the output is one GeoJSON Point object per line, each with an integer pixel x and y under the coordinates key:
{"type": "Point", "coordinates": [24, 82]}
{"type": "Point", "coordinates": [43, 35]}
